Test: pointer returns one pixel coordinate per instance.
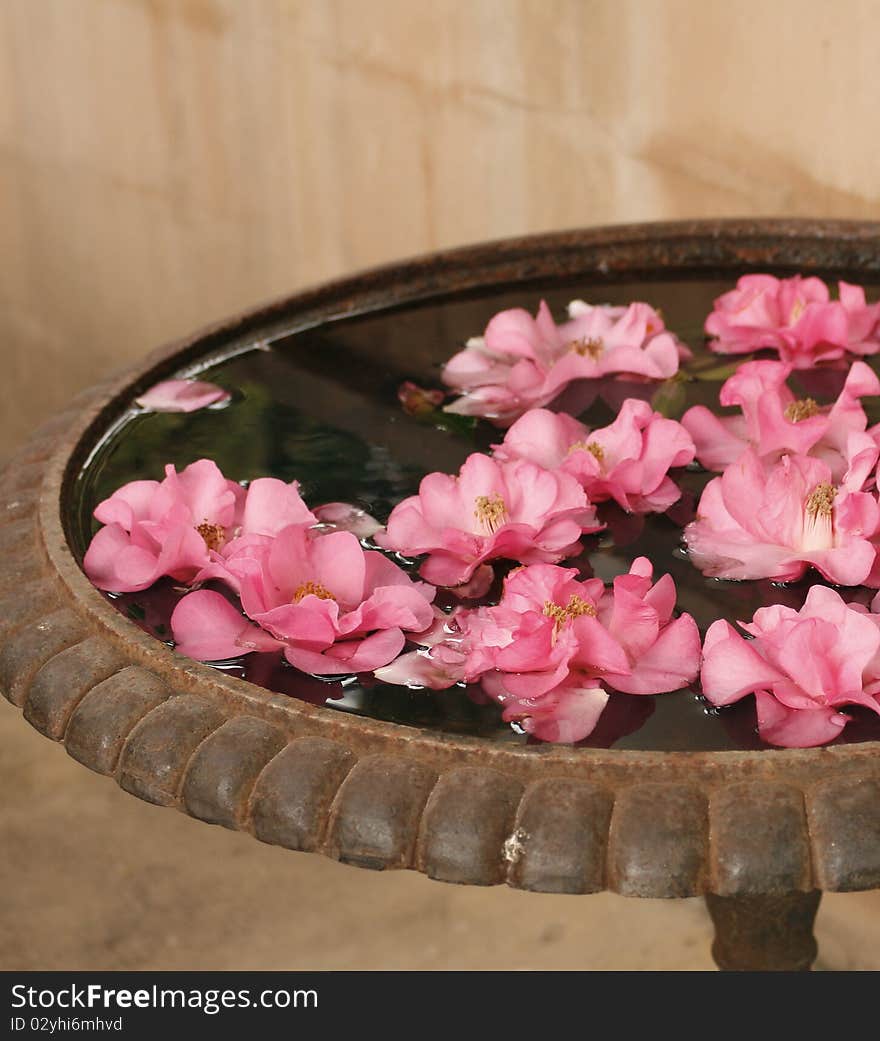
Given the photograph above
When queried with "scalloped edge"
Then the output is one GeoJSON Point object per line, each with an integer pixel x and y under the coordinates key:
{"type": "Point", "coordinates": [176, 733]}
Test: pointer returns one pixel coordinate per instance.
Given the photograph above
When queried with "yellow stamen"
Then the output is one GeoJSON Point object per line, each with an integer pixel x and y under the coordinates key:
{"type": "Point", "coordinates": [575, 608]}
{"type": "Point", "coordinates": [592, 447]}
{"type": "Point", "coordinates": [805, 408]}
{"type": "Point", "coordinates": [592, 346]}
{"type": "Point", "coordinates": [490, 511]}
{"type": "Point", "coordinates": [796, 311]}
{"type": "Point", "coordinates": [821, 501]}
{"type": "Point", "coordinates": [213, 534]}
{"type": "Point", "coordinates": [312, 589]}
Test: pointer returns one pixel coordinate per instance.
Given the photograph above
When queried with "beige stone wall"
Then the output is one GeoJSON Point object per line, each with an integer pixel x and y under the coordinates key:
{"type": "Point", "coordinates": [165, 162]}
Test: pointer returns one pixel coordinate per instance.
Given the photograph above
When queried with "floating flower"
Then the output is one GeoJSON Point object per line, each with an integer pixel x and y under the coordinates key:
{"type": "Point", "coordinates": [154, 529]}
{"type": "Point", "coordinates": [774, 521]}
{"type": "Point", "coordinates": [523, 362]}
{"type": "Point", "coordinates": [627, 461]}
{"type": "Point", "coordinates": [178, 526]}
{"type": "Point", "coordinates": [331, 606]}
{"type": "Point", "coordinates": [517, 510]}
{"type": "Point", "coordinates": [538, 653]}
{"type": "Point", "coordinates": [773, 421]}
{"type": "Point", "coordinates": [796, 317]}
{"type": "Point", "coordinates": [663, 652]}
{"type": "Point", "coordinates": [802, 666]}
{"type": "Point", "coordinates": [554, 645]}
{"type": "Point", "coordinates": [182, 396]}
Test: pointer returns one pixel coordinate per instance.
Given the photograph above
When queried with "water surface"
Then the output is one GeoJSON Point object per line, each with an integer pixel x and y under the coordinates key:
{"type": "Point", "coordinates": [321, 406]}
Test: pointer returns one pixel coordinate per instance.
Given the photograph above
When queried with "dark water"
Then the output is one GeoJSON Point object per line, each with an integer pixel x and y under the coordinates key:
{"type": "Point", "coordinates": [321, 406]}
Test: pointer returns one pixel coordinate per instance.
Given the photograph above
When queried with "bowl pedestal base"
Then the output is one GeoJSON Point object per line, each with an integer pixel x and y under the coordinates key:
{"type": "Point", "coordinates": [764, 933]}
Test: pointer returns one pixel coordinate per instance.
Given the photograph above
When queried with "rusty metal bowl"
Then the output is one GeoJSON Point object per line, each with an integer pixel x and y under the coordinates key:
{"type": "Point", "coordinates": [760, 833]}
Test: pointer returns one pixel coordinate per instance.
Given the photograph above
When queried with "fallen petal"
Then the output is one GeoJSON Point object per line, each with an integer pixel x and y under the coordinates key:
{"type": "Point", "coordinates": [182, 396]}
{"type": "Point", "coordinates": [343, 516]}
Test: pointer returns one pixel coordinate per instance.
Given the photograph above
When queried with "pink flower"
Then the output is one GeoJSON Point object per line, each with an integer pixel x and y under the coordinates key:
{"type": "Point", "coordinates": [178, 526]}
{"type": "Point", "coordinates": [773, 421]}
{"type": "Point", "coordinates": [627, 461]}
{"type": "Point", "coordinates": [523, 362]}
{"type": "Point", "coordinates": [538, 653]}
{"type": "Point", "coordinates": [330, 605]}
{"type": "Point", "coordinates": [663, 652]}
{"type": "Point", "coordinates": [155, 529]}
{"type": "Point", "coordinates": [514, 510]}
{"type": "Point", "coordinates": [549, 651]}
{"type": "Point", "coordinates": [182, 396]}
{"type": "Point", "coordinates": [774, 521]}
{"type": "Point", "coordinates": [802, 666]}
{"type": "Point", "coordinates": [796, 317]}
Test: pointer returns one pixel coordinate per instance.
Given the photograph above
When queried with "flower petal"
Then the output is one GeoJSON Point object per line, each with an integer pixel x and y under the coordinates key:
{"type": "Point", "coordinates": [732, 667]}
{"type": "Point", "coordinates": [343, 516]}
{"type": "Point", "coordinates": [208, 628]}
{"type": "Point", "coordinates": [350, 656]}
{"type": "Point", "coordinates": [797, 728]}
{"type": "Point", "coordinates": [420, 669]}
{"type": "Point", "coordinates": [182, 396]}
{"type": "Point", "coordinates": [566, 715]}
{"type": "Point", "coordinates": [271, 505]}
{"type": "Point", "coordinates": [670, 663]}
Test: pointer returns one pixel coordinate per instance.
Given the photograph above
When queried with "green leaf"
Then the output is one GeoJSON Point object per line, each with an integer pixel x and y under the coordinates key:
{"type": "Point", "coordinates": [719, 372]}
{"type": "Point", "coordinates": [670, 398]}
{"type": "Point", "coordinates": [451, 422]}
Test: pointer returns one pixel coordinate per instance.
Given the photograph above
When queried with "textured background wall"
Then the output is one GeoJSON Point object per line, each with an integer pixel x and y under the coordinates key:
{"type": "Point", "coordinates": [165, 162]}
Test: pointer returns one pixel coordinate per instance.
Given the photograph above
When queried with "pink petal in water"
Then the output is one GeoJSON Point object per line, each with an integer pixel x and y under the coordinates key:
{"type": "Point", "coordinates": [182, 396]}
{"type": "Point", "coordinates": [344, 516]}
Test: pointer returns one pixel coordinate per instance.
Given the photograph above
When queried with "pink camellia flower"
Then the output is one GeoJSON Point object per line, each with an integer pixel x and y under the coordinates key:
{"type": "Point", "coordinates": [176, 526]}
{"type": "Point", "coordinates": [554, 645]}
{"type": "Point", "coordinates": [331, 606]}
{"type": "Point", "coordinates": [663, 652]}
{"type": "Point", "coordinates": [627, 461]}
{"type": "Point", "coordinates": [523, 362]}
{"type": "Point", "coordinates": [182, 396]}
{"type": "Point", "coordinates": [538, 653]}
{"type": "Point", "coordinates": [775, 520]}
{"type": "Point", "coordinates": [773, 421]}
{"type": "Point", "coordinates": [517, 510]}
{"type": "Point", "coordinates": [802, 666]}
{"type": "Point", "coordinates": [796, 317]}
{"type": "Point", "coordinates": [154, 529]}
